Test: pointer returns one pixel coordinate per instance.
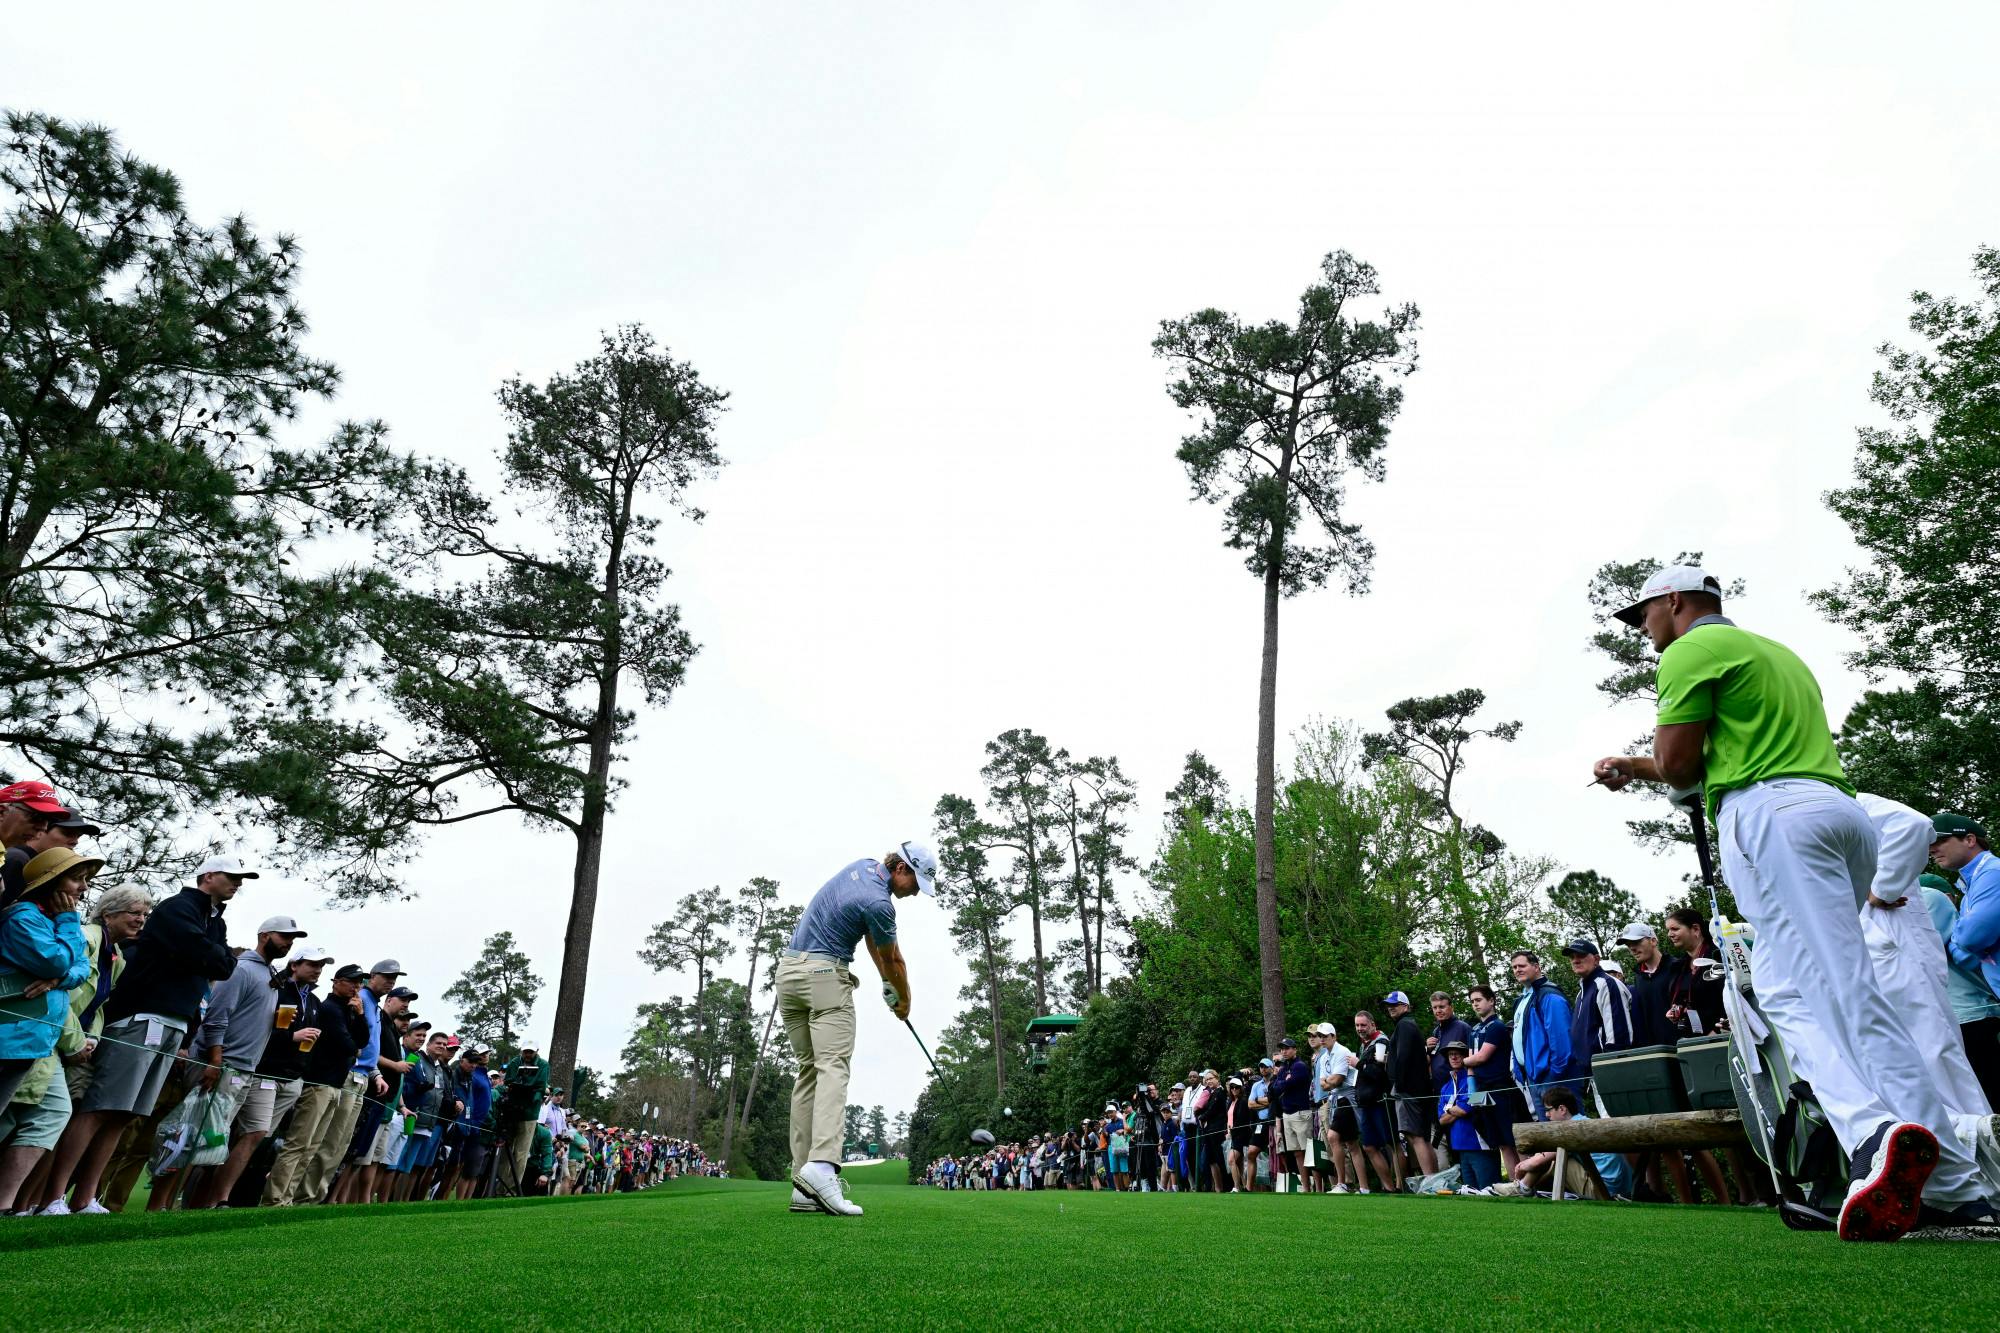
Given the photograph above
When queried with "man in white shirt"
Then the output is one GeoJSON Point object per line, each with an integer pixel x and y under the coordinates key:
{"type": "Point", "coordinates": [556, 1120]}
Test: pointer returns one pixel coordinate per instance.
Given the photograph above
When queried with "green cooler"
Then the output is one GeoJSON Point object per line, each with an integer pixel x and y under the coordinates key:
{"type": "Point", "coordinates": [1705, 1070]}
{"type": "Point", "coordinates": [1645, 1080]}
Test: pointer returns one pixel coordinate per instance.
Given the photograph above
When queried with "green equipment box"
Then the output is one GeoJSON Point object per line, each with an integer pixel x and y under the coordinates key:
{"type": "Point", "coordinates": [1645, 1080]}
{"type": "Point", "coordinates": [1705, 1071]}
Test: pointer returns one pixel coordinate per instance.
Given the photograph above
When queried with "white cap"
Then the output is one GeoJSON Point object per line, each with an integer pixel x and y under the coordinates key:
{"type": "Point", "coordinates": [1614, 967]}
{"type": "Point", "coordinates": [1674, 578]}
{"type": "Point", "coordinates": [224, 865]}
{"type": "Point", "coordinates": [1638, 930]}
{"type": "Point", "coordinates": [280, 925]}
{"type": "Point", "coordinates": [308, 953]}
{"type": "Point", "coordinates": [924, 863]}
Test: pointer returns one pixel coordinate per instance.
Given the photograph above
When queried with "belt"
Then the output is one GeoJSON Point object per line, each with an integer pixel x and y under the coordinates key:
{"type": "Point", "coordinates": [813, 956]}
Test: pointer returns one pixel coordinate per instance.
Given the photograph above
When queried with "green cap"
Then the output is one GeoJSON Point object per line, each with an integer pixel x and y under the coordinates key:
{"type": "Point", "coordinates": [1938, 882]}
{"type": "Point", "coordinates": [1949, 825]}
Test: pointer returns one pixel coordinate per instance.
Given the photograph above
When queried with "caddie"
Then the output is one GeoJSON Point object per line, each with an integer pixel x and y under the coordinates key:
{"type": "Point", "coordinates": [1741, 717]}
{"type": "Point", "coordinates": [816, 1001]}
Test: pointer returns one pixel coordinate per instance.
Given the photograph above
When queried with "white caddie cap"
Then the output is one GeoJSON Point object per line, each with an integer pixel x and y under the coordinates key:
{"type": "Point", "coordinates": [1674, 578]}
{"type": "Point", "coordinates": [224, 865]}
{"type": "Point", "coordinates": [924, 863]}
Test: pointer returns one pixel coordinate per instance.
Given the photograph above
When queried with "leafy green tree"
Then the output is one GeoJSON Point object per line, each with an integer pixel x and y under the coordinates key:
{"type": "Point", "coordinates": [1022, 776]}
{"type": "Point", "coordinates": [1201, 791]}
{"type": "Point", "coordinates": [878, 1129]}
{"type": "Point", "coordinates": [496, 995]}
{"type": "Point", "coordinates": [1925, 604]}
{"type": "Point", "coordinates": [1091, 796]}
{"type": "Point", "coordinates": [1283, 413]}
{"type": "Point", "coordinates": [507, 657]}
{"type": "Point", "coordinates": [979, 907]}
{"type": "Point", "coordinates": [853, 1129]}
{"type": "Point", "coordinates": [695, 937]}
{"type": "Point", "coordinates": [1431, 736]}
{"type": "Point", "coordinates": [1634, 665]}
{"type": "Point", "coordinates": [755, 912]}
{"type": "Point", "coordinates": [1594, 905]}
{"type": "Point", "coordinates": [172, 579]}
{"type": "Point", "coordinates": [779, 927]}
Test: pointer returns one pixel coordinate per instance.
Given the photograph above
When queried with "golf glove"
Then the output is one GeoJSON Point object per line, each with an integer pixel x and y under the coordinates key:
{"type": "Point", "coordinates": [889, 996]}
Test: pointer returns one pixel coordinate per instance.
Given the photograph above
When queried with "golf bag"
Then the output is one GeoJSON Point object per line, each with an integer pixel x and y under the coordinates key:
{"type": "Point", "coordinates": [1787, 1128]}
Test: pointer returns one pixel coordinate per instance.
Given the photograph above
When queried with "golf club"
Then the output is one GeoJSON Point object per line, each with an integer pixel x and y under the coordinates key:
{"type": "Point", "coordinates": [982, 1137]}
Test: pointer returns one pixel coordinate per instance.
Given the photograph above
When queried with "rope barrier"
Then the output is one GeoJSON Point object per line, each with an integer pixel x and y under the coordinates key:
{"type": "Point", "coordinates": [195, 1062]}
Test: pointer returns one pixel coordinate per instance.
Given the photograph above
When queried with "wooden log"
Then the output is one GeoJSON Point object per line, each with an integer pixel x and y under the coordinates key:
{"type": "Point", "coordinates": [1634, 1133]}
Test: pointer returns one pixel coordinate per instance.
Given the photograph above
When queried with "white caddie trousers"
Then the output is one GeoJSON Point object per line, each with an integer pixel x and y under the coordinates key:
{"type": "Point", "coordinates": [1910, 969]}
{"type": "Point", "coordinates": [1800, 855]}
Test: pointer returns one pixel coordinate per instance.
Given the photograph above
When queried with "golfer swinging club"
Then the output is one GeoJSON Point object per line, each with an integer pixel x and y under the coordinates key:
{"type": "Point", "coordinates": [1741, 717]}
{"type": "Point", "coordinates": [816, 1000]}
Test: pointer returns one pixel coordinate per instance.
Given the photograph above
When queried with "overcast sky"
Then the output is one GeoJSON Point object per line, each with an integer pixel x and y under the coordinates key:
{"type": "Point", "coordinates": [926, 251]}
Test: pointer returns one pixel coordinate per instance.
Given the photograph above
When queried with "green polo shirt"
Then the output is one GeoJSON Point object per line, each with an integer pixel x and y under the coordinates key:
{"type": "Point", "coordinates": [1763, 708]}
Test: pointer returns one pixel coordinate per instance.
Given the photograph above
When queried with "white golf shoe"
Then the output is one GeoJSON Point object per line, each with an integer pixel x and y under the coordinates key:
{"type": "Point", "coordinates": [819, 1182]}
{"type": "Point", "coordinates": [801, 1202]}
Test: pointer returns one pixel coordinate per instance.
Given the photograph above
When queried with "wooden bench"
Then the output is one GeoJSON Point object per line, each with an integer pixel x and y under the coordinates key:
{"type": "Point", "coordinates": [1629, 1133]}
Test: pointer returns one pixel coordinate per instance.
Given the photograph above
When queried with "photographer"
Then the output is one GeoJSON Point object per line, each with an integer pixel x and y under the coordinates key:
{"type": "Point", "coordinates": [1146, 1137]}
{"type": "Point", "coordinates": [519, 1112]}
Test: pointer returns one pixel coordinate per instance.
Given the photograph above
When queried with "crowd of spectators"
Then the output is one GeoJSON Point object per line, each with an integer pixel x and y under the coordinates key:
{"type": "Point", "coordinates": [136, 1043]}
{"type": "Point", "coordinates": [1405, 1109]}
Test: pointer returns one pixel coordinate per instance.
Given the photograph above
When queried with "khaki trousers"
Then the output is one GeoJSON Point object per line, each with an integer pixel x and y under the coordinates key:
{"type": "Point", "coordinates": [816, 1002]}
{"type": "Point", "coordinates": [317, 1105]}
{"type": "Point", "coordinates": [333, 1146]}
{"type": "Point", "coordinates": [522, 1153]}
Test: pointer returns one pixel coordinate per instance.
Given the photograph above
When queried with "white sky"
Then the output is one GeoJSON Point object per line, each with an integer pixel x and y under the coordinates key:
{"type": "Point", "coordinates": [926, 250]}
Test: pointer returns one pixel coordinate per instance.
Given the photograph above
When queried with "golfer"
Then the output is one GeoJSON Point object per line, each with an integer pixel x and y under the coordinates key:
{"type": "Point", "coordinates": [816, 1000]}
{"type": "Point", "coordinates": [1742, 716]}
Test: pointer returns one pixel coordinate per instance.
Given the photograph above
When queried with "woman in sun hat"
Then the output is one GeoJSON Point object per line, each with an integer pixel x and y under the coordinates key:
{"type": "Point", "coordinates": [42, 956]}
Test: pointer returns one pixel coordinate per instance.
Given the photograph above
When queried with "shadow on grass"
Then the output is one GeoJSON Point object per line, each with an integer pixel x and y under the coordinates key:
{"type": "Point", "coordinates": [35, 1233]}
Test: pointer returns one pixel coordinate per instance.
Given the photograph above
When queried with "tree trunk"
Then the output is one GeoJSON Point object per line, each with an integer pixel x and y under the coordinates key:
{"type": "Point", "coordinates": [749, 1016]}
{"type": "Point", "coordinates": [756, 1069]}
{"type": "Point", "coordinates": [1097, 964]}
{"type": "Point", "coordinates": [1271, 964]}
{"type": "Point", "coordinates": [582, 913]}
{"type": "Point", "coordinates": [1077, 889]}
{"type": "Point", "coordinates": [1468, 918]}
{"type": "Point", "coordinates": [1041, 982]}
{"type": "Point", "coordinates": [993, 1003]}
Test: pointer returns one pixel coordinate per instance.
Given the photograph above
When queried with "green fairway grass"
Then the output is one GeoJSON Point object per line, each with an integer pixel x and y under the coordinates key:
{"type": "Point", "coordinates": [706, 1253]}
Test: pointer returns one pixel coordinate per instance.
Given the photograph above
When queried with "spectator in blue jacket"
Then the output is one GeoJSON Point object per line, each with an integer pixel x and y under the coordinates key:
{"type": "Point", "coordinates": [1960, 847]}
{"type": "Point", "coordinates": [474, 1092]}
{"type": "Point", "coordinates": [42, 957]}
{"type": "Point", "coordinates": [1602, 1022]}
{"type": "Point", "coordinates": [1542, 1057]}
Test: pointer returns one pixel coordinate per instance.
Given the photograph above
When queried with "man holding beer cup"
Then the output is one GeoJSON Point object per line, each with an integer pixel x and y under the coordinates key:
{"type": "Point", "coordinates": [242, 1015]}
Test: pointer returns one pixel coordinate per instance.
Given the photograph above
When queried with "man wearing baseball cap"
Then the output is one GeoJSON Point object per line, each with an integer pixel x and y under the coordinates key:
{"type": "Point", "coordinates": [1741, 721]}
{"type": "Point", "coordinates": [236, 1027]}
{"type": "Point", "coordinates": [1959, 845]}
{"type": "Point", "coordinates": [1414, 1101]}
{"type": "Point", "coordinates": [816, 1001]}
{"type": "Point", "coordinates": [147, 1017]}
